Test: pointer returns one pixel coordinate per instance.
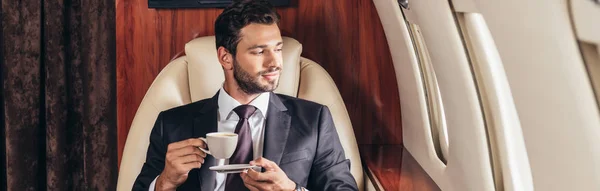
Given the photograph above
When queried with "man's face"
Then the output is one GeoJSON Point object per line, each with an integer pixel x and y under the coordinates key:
{"type": "Point", "coordinates": [258, 61]}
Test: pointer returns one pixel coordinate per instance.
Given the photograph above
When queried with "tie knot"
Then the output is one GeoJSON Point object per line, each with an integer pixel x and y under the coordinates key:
{"type": "Point", "coordinates": [244, 111]}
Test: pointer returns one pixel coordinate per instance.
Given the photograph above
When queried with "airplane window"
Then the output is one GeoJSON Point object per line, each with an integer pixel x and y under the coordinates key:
{"type": "Point", "coordinates": [437, 118]}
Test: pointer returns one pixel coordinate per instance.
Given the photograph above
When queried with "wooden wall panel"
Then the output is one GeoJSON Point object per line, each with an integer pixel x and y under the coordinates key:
{"type": "Point", "coordinates": [345, 37]}
{"type": "Point", "coordinates": [395, 168]}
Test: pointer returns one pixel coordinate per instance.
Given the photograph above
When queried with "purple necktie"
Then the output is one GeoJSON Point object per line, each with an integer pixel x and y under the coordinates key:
{"type": "Point", "coordinates": [243, 152]}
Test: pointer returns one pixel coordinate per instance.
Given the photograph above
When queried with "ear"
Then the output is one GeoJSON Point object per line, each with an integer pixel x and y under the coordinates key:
{"type": "Point", "coordinates": [225, 58]}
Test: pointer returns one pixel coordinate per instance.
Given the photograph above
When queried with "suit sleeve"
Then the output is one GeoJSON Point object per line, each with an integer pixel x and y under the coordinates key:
{"type": "Point", "coordinates": [155, 157]}
{"type": "Point", "coordinates": [330, 169]}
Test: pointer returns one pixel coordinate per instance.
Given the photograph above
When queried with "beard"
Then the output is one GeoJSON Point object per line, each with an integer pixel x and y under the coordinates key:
{"type": "Point", "coordinates": [251, 84]}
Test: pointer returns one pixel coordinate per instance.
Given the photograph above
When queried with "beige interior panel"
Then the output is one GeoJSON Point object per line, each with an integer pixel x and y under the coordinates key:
{"type": "Point", "coordinates": [435, 106]}
{"type": "Point", "coordinates": [557, 109]}
{"type": "Point", "coordinates": [413, 102]}
{"type": "Point", "coordinates": [585, 15]}
{"type": "Point", "coordinates": [507, 145]}
{"type": "Point", "coordinates": [468, 162]}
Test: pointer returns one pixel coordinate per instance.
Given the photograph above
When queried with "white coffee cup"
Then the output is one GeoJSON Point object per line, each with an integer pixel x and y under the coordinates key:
{"type": "Point", "coordinates": [221, 145]}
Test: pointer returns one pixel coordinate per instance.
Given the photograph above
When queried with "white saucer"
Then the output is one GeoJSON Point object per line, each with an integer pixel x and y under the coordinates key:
{"type": "Point", "coordinates": [232, 168]}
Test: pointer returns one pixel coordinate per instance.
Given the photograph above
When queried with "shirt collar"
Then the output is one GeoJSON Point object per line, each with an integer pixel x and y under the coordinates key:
{"type": "Point", "coordinates": [227, 104]}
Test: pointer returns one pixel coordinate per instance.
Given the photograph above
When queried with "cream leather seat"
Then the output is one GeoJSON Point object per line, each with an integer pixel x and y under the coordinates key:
{"type": "Point", "coordinates": [198, 76]}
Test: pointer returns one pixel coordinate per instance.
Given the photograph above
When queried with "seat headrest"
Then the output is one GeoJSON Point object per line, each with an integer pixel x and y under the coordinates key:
{"type": "Point", "coordinates": [206, 75]}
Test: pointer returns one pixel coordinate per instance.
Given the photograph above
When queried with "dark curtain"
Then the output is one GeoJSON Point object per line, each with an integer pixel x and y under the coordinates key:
{"type": "Point", "coordinates": [58, 95]}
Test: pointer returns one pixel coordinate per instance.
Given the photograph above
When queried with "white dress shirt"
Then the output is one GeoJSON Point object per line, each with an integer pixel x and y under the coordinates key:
{"type": "Point", "coordinates": [228, 120]}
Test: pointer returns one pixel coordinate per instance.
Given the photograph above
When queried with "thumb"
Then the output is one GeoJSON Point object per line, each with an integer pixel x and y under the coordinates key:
{"type": "Point", "coordinates": [264, 163]}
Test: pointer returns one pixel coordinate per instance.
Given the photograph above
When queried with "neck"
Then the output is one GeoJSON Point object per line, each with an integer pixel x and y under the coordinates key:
{"type": "Point", "coordinates": [236, 93]}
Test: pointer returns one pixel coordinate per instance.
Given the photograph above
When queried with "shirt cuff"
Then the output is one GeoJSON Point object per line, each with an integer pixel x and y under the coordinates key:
{"type": "Point", "coordinates": [151, 187]}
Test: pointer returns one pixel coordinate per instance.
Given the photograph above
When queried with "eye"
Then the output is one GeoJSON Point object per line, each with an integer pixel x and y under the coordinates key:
{"type": "Point", "coordinates": [258, 53]}
{"type": "Point", "coordinates": [279, 50]}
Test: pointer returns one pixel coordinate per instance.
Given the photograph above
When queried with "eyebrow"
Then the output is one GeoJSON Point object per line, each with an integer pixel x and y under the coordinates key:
{"type": "Point", "coordinates": [263, 46]}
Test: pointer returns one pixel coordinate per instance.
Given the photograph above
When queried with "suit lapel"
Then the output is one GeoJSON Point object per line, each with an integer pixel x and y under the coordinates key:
{"type": "Point", "coordinates": [206, 122]}
{"type": "Point", "coordinates": [276, 129]}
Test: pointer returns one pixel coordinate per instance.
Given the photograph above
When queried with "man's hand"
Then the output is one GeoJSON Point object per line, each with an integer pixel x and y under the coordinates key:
{"type": "Point", "coordinates": [181, 157]}
{"type": "Point", "coordinates": [273, 179]}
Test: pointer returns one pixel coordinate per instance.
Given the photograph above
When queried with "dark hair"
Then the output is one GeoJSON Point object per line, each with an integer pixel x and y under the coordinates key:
{"type": "Point", "coordinates": [238, 15]}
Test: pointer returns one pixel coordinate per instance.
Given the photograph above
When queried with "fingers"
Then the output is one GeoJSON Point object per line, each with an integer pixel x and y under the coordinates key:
{"type": "Point", "coordinates": [185, 143]}
{"type": "Point", "coordinates": [274, 179]}
{"type": "Point", "coordinates": [250, 187]}
{"type": "Point", "coordinates": [259, 161]}
{"type": "Point", "coordinates": [183, 162]}
{"type": "Point", "coordinates": [186, 151]}
{"type": "Point", "coordinates": [185, 168]}
{"type": "Point", "coordinates": [180, 159]}
{"type": "Point", "coordinates": [260, 177]}
{"type": "Point", "coordinates": [250, 183]}
{"type": "Point", "coordinates": [201, 143]}
{"type": "Point", "coordinates": [183, 159]}
{"type": "Point", "coordinates": [180, 169]}
{"type": "Point", "coordinates": [189, 159]}
{"type": "Point", "coordinates": [265, 163]}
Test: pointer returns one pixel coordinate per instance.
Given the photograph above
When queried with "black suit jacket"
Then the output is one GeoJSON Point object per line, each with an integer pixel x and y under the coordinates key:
{"type": "Point", "coordinates": [299, 137]}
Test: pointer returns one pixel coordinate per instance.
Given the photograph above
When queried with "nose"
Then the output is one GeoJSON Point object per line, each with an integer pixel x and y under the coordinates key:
{"type": "Point", "coordinates": [273, 60]}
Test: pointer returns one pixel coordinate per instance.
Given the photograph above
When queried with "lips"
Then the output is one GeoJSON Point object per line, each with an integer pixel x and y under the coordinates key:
{"type": "Point", "coordinates": [271, 76]}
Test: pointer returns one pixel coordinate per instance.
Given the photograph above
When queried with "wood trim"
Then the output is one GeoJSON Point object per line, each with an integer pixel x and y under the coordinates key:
{"type": "Point", "coordinates": [391, 167]}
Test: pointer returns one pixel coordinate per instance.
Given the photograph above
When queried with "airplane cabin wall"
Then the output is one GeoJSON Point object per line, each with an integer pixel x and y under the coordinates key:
{"type": "Point", "coordinates": [526, 64]}
{"type": "Point", "coordinates": [551, 88]}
